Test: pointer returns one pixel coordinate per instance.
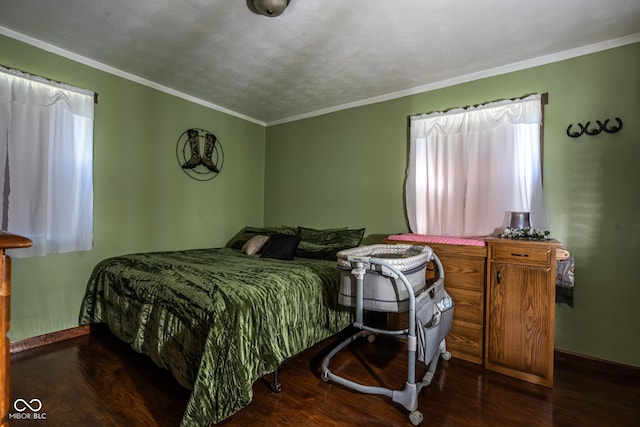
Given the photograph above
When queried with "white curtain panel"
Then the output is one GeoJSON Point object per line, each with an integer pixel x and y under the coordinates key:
{"type": "Point", "coordinates": [47, 146]}
{"type": "Point", "coordinates": [469, 168]}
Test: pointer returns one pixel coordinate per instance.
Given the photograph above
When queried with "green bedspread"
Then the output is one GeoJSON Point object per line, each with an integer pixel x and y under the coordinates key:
{"type": "Point", "coordinates": [216, 318]}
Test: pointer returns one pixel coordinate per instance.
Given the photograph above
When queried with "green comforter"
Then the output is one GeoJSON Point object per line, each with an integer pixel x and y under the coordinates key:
{"type": "Point", "coordinates": [216, 318]}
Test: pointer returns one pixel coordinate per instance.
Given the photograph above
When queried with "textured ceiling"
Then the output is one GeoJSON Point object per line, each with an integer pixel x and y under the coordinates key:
{"type": "Point", "coordinates": [319, 55]}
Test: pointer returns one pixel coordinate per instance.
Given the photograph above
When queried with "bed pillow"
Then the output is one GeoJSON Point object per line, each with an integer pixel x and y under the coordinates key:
{"type": "Point", "coordinates": [324, 244]}
{"type": "Point", "coordinates": [280, 246]}
{"type": "Point", "coordinates": [244, 235]}
{"type": "Point", "coordinates": [255, 244]}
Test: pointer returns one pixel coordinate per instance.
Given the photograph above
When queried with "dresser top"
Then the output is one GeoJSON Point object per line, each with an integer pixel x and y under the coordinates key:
{"type": "Point", "coordinates": [548, 243]}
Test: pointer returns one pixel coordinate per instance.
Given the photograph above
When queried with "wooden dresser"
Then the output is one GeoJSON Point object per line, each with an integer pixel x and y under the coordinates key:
{"type": "Point", "coordinates": [7, 241]}
{"type": "Point", "coordinates": [465, 273]}
{"type": "Point", "coordinates": [520, 304]}
{"type": "Point", "coordinates": [504, 295]}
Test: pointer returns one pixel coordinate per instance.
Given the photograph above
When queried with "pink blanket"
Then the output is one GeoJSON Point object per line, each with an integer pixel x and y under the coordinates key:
{"type": "Point", "coordinates": [451, 240]}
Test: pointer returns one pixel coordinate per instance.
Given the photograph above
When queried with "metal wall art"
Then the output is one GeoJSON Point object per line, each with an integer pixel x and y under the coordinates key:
{"type": "Point", "coordinates": [199, 154]}
{"type": "Point", "coordinates": [602, 127]}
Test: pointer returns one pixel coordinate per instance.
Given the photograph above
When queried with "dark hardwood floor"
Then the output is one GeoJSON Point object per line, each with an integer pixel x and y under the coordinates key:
{"type": "Point", "coordinates": [95, 380]}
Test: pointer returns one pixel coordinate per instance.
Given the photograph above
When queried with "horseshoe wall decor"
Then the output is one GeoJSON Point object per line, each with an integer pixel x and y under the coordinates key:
{"type": "Point", "coordinates": [602, 127]}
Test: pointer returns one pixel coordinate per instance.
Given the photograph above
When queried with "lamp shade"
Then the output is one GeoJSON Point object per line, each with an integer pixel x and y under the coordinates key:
{"type": "Point", "coordinates": [520, 220]}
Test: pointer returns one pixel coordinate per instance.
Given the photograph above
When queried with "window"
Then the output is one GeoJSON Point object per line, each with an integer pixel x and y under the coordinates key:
{"type": "Point", "coordinates": [46, 156]}
{"type": "Point", "coordinates": [469, 168]}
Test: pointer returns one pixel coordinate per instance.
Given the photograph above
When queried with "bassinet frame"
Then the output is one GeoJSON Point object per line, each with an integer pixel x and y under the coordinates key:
{"type": "Point", "coordinates": [407, 397]}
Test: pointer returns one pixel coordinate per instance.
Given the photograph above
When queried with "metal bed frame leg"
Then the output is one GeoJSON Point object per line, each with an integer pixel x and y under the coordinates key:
{"type": "Point", "coordinates": [275, 385]}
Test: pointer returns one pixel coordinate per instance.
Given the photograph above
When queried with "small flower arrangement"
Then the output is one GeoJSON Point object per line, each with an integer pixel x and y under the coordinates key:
{"type": "Point", "coordinates": [524, 234]}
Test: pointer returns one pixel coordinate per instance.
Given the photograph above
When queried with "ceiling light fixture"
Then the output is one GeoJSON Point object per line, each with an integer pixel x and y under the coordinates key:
{"type": "Point", "coordinates": [270, 8]}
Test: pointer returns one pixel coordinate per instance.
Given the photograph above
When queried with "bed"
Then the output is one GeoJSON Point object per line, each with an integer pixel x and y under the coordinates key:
{"type": "Point", "coordinates": [221, 318]}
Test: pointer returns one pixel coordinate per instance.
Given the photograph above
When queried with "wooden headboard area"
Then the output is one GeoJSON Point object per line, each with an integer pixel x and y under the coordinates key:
{"type": "Point", "coordinates": [464, 262]}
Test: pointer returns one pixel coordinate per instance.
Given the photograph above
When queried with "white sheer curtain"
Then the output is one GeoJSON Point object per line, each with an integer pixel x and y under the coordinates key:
{"type": "Point", "coordinates": [469, 168]}
{"type": "Point", "coordinates": [46, 156]}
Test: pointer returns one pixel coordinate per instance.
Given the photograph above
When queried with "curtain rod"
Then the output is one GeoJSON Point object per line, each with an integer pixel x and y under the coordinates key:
{"type": "Point", "coordinates": [95, 94]}
{"type": "Point", "coordinates": [544, 99]}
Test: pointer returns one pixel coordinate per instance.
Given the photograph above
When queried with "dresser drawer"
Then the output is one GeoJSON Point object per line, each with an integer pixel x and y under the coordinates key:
{"type": "Point", "coordinates": [522, 254]}
{"type": "Point", "coordinates": [463, 272]}
{"type": "Point", "coordinates": [465, 341]}
{"type": "Point", "coordinates": [469, 305]}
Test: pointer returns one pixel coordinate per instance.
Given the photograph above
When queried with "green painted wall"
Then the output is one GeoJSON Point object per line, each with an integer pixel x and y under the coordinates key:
{"type": "Point", "coordinates": [348, 168]}
{"type": "Point", "coordinates": [143, 201]}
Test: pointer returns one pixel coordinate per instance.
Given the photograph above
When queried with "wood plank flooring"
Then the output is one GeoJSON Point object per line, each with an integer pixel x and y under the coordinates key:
{"type": "Point", "coordinates": [97, 381]}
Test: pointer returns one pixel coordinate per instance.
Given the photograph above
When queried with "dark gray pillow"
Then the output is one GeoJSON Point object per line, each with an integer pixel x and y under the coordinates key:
{"type": "Point", "coordinates": [280, 246]}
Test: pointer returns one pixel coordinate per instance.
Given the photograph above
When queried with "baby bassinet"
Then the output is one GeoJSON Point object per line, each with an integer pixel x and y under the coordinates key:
{"type": "Point", "coordinates": [391, 278]}
{"type": "Point", "coordinates": [382, 292]}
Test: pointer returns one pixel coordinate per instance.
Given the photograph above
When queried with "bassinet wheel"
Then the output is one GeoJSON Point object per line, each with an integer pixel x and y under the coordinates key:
{"type": "Point", "coordinates": [324, 377]}
{"type": "Point", "coordinates": [446, 355]}
{"type": "Point", "coordinates": [371, 338]}
{"type": "Point", "coordinates": [416, 417]}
